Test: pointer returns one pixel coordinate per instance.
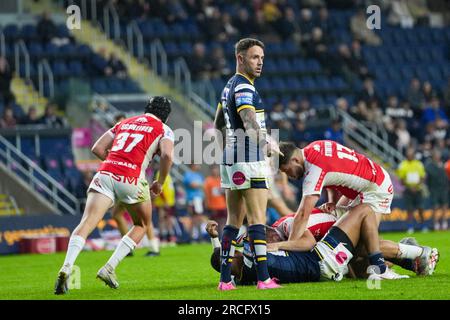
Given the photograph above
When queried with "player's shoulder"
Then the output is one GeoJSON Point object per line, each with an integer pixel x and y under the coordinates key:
{"type": "Point", "coordinates": [241, 83]}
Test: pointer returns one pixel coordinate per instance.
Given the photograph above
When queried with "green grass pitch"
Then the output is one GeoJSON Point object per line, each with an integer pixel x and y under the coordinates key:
{"type": "Point", "coordinates": [183, 272]}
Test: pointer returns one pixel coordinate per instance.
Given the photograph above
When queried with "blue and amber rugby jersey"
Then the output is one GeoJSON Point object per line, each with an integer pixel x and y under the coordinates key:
{"type": "Point", "coordinates": [239, 94]}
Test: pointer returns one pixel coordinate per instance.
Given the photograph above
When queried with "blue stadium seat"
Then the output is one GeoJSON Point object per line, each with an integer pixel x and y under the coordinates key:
{"type": "Point", "coordinates": [99, 85]}
{"type": "Point", "coordinates": [60, 68]}
{"type": "Point", "coordinates": [284, 66]}
{"type": "Point", "coordinates": [28, 32]}
{"type": "Point", "coordinates": [76, 68]}
{"type": "Point", "coordinates": [11, 32]}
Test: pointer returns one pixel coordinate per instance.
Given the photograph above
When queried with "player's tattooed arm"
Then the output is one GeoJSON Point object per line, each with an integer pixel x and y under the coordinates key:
{"type": "Point", "coordinates": [251, 125]}
{"type": "Point", "coordinates": [219, 125]}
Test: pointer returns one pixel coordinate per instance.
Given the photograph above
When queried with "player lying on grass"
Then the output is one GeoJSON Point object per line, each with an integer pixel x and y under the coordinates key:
{"type": "Point", "coordinates": [318, 225]}
{"type": "Point", "coordinates": [327, 260]}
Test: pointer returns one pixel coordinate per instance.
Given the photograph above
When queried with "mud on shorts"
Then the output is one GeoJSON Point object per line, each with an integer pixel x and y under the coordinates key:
{"type": "Point", "coordinates": [129, 190]}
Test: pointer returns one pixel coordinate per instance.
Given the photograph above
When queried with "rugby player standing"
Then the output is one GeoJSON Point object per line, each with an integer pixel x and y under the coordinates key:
{"type": "Point", "coordinates": [244, 169]}
{"type": "Point", "coordinates": [126, 151]}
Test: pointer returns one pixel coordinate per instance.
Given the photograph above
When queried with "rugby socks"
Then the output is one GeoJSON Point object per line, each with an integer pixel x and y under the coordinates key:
{"type": "Point", "coordinates": [76, 244]}
{"type": "Point", "coordinates": [153, 245]}
{"type": "Point", "coordinates": [407, 251]}
{"type": "Point", "coordinates": [257, 235]}
{"type": "Point", "coordinates": [407, 264]}
{"type": "Point", "coordinates": [126, 245]}
{"type": "Point", "coordinates": [377, 259]}
{"type": "Point", "coordinates": [227, 252]}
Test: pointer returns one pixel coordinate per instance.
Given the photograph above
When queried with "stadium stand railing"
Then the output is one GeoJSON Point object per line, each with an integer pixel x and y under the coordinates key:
{"type": "Point", "coordinates": [26, 170]}
{"type": "Point", "coordinates": [356, 131]}
{"type": "Point", "coordinates": [8, 205]}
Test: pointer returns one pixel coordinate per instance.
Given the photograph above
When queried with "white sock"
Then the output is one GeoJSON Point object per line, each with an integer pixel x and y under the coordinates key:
{"type": "Point", "coordinates": [153, 245]}
{"type": "Point", "coordinates": [126, 245]}
{"type": "Point", "coordinates": [76, 244]}
{"type": "Point", "coordinates": [407, 251]}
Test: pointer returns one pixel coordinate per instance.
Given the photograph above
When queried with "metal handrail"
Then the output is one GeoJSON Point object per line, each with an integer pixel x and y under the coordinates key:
{"type": "Point", "coordinates": [156, 50]}
{"type": "Point", "coordinates": [369, 140]}
{"type": "Point", "coordinates": [43, 66]}
{"type": "Point", "coordinates": [182, 76]}
{"type": "Point", "coordinates": [54, 189]}
{"type": "Point", "coordinates": [133, 30]}
{"type": "Point", "coordinates": [107, 11]}
{"type": "Point", "coordinates": [20, 47]}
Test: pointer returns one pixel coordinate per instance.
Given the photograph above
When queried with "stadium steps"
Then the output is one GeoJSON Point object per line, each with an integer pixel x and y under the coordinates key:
{"type": "Point", "coordinates": [91, 35]}
{"type": "Point", "coordinates": [27, 96]}
{"type": "Point", "coordinates": [7, 207]}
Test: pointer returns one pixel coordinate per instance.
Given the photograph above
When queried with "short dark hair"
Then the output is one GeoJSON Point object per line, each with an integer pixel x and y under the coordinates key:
{"type": "Point", "coordinates": [244, 44]}
{"type": "Point", "coordinates": [159, 106]}
{"type": "Point", "coordinates": [215, 259]}
{"type": "Point", "coordinates": [287, 149]}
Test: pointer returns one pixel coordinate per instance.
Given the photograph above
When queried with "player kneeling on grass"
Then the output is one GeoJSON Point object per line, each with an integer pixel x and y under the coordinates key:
{"type": "Point", "coordinates": [126, 151]}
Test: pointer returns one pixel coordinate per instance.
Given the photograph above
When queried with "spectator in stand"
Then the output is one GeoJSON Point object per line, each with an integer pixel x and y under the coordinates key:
{"type": "Point", "coordinates": [335, 132]}
{"type": "Point", "coordinates": [117, 67]}
{"type": "Point", "coordinates": [261, 28]}
{"type": "Point", "coordinates": [272, 13]}
{"type": "Point", "coordinates": [434, 111]}
{"type": "Point", "coordinates": [228, 31]}
{"type": "Point", "coordinates": [100, 63]}
{"type": "Point", "coordinates": [277, 113]}
{"type": "Point", "coordinates": [322, 20]}
{"type": "Point", "coordinates": [412, 175]}
{"type": "Point", "coordinates": [306, 24]}
{"type": "Point", "coordinates": [399, 14]}
{"type": "Point", "coordinates": [437, 182]}
{"type": "Point", "coordinates": [428, 92]}
{"type": "Point", "coordinates": [306, 113]}
{"type": "Point", "coordinates": [46, 28]}
{"type": "Point", "coordinates": [316, 48]}
{"type": "Point", "coordinates": [193, 183]}
{"type": "Point", "coordinates": [288, 27]}
{"type": "Point", "coordinates": [199, 63]}
{"type": "Point", "coordinates": [215, 198]}
{"type": "Point", "coordinates": [368, 92]}
{"type": "Point", "coordinates": [292, 110]}
{"type": "Point", "coordinates": [50, 118]}
{"type": "Point", "coordinates": [301, 136]}
{"type": "Point", "coordinates": [165, 204]}
{"type": "Point", "coordinates": [212, 25]}
{"type": "Point", "coordinates": [342, 104]}
{"type": "Point", "coordinates": [285, 130]}
{"type": "Point", "coordinates": [8, 120]}
{"type": "Point", "coordinates": [243, 24]}
{"type": "Point", "coordinates": [419, 11]}
{"type": "Point", "coordinates": [403, 136]}
{"type": "Point", "coordinates": [360, 66]}
{"type": "Point", "coordinates": [31, 118]}
{"type": "Point", "coordinates": [219, 64]}
{"type": "Point", "coordinates": [361, 32]}
{"type": "Point", "coordinates": [5, 81]}
{"type": "Point", "coordinates": [415, 95]}
{"type": "Point", "coordinates": [390, 130]}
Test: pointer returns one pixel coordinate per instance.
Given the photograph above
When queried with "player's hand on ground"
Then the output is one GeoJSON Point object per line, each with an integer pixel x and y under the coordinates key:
{"type": "Point", "coordinates": [211, 228]}
{"type": "Point", "coordinates": [328, 207]}
{"type": "Point", "coordinates": [156, 189]}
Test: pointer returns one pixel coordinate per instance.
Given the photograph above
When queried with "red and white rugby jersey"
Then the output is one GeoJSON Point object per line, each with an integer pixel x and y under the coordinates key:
{"type": "Point", "coordinates": [319, 223]}
{"type": "Point", "coordinates": [136, 142]}
{"type": "Point", "coordinates": [331, 165]}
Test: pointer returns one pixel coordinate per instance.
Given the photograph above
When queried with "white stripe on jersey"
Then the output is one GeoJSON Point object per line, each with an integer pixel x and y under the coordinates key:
{"type": "Point", "coordinates": [244, 86]}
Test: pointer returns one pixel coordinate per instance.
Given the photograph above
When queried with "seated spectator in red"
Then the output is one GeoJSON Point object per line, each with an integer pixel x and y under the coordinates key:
{"type": "Point", "coordinates": [51, 119]}
{"type": "Point", "coordinates": [31, 117]}
{"type": "Point", "coordinates": [8, 120]}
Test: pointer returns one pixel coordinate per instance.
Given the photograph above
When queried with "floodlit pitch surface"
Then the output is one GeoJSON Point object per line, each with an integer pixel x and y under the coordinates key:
{"type": "Point", "coordinates": [184, 272]}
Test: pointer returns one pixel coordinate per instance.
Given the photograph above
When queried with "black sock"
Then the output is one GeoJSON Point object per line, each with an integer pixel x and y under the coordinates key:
{"type": "Point", "coordinates": [407, 264]}
{"type": "Point", "coordinates": [229, 236]}
{"type": "Point", "coordinates": [257, 235]}
{"type": "Point", "coordinates": [377, 259]}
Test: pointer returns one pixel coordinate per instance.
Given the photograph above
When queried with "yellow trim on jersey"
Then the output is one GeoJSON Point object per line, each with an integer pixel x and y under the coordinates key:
{"type": "Point", "coordinates": [259, 110]}
{"type": "Point", "coordinates": [318, 253]}
{"type": "Point", "coordinates": [230, 260]}
{"type": "Point", "coordinates": [258, 179]}
{"type": "Point", "coordinates": [219, 105]}
{"type": "Point", "coordinates": [259, 241]}
{"type": "Point", "coordinates": [261, 259]}
{"type": "Point", "coordinates": [245, 106]}
{"type": "Point", "coordinates": [233, 242]}
{"type": "Point", "coordinates": [331, 247]}
{"type": "Point", "coordinates": [251, 81]}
